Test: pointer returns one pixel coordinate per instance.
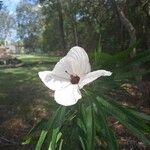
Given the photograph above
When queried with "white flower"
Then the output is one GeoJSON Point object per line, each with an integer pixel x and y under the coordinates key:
{"type": "Point", "coordinates": [69, 75]}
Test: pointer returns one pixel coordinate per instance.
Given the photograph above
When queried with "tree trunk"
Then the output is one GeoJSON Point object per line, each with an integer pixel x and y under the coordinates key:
{"type": "Point", "coordinates": [61, 26]}
{"type": "Point", "coordinates": [131, 31]}
{"type": "Point", "coordinates": [76, 41]}
{"type": "Point", "coordinates": [146, 10]}
{"type": "Point", "coordinates": [74, 24]}
{"type": "Point", "coordinates": [127, 24]}
{"type": "Point", "coordinates": [130, 28]}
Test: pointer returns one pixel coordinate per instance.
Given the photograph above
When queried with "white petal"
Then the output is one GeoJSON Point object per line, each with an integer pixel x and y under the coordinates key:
{"type": "Point", "coordinates": [80, 59]}
{"type": "Point", "coordinates": [63, 68]}
{"type": "Point", "coordinates": [68, 95]}
{"type": "Point", "coordinates": [52, 81]}
{"type": "Point", "coordinates": [76, 62]}
{"type": "Point", "coordinates": [88, 78]}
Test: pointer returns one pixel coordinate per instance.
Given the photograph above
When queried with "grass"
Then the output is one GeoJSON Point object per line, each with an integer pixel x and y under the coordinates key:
{"type": "Point", "coordinates": [22, 94]}
{"type": "Point", "coordinates": [37, 58]}
{"type": "Point", "coordinates": [12, 79]}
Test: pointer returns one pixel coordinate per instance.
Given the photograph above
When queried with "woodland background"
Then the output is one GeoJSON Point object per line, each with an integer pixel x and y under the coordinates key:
{"type": "Point", "coordinates": [115, 34]}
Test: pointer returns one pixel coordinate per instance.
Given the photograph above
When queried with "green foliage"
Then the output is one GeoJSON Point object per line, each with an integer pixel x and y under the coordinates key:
{"type": "Point", "coordinates": [133, 123]}
{"type": "Point", "coordinates": [86, 125]}
{"type": "Point", "coordinates": [84, 23]}
{"type": "Point", "coordinates": [91, 124]}
{"type": "Point", "coordinates": [105, 131]}
{"type": "Point", "coordinates": [6, 25]}
{"type": "Point", "coordinates": [51, 34]}
{"type": "Point", "coordinates": [29, 25]}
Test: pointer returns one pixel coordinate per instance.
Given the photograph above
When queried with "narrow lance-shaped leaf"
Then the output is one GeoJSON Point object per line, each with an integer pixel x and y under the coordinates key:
{"type": "Point", "coordinates": [108, 134]}
{"type": "Point", "coordinates": [137, 127]}
{"type": "Point", "coordinates": [49, 125]}
{"type": "Point", "coordinates": [88, 127]}
{"type": "Point", "coordinates": [56, 135]}
{"type": "Point", "coordinates": [54, 129]}
{"type": "Point", "coordinates": [41, 140]}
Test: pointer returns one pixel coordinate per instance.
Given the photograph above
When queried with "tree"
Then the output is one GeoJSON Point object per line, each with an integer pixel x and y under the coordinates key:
{"type": "Point", "coordinates": [1, 4]}
{"type": "Point", "coordinates": [29, 25]}
{"type": "Point", "coordinates": [54, 31]}
{"type": "Point", "coordinates": [61, 24]}
{"type": "Point", "coordinates": [127, 24]}
{"type": "Point", "coordinates": [7, 24]}
{"type": "Point", "coordinates": [112, 25]}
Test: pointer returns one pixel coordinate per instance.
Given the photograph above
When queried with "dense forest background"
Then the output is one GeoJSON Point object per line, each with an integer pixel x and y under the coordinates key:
{"type": "Point", "coordinates": [57, 25]}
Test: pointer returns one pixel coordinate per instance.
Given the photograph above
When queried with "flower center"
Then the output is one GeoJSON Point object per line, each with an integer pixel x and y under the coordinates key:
{"type": "Point", "coordinates": [74, 79]}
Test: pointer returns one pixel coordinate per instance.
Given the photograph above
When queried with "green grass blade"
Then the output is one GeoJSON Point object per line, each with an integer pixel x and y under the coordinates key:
{"type": "Point", "coordinates": [41, 140]}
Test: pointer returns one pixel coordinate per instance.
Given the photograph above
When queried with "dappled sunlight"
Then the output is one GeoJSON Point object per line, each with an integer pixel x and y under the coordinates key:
{"type": "Point", "coordinates": [38, 58]}
{"type": "Point", "coordinates": [38, 111]}
{"type": "Point", "coordinates": [16, 127]}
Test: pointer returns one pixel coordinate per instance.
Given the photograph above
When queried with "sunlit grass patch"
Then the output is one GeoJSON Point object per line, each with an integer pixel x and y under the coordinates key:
{"type": "Point", "coordinates": [28, 58]}
{"type": "Point", "coordinates": [20, 87]}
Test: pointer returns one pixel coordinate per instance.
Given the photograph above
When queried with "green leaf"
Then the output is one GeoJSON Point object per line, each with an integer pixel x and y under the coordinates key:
{"type": "Point", "coordinates": [140, 58]}
{"type": "Point", "coordinates": [126, 115]}
{"type": "Point", "coordinates": [107, 132]}
{"type": "Point", "coordinates": [40, 125]}
{"type": "Point", "coordinates": [60, 145]}
{"type": "Point", "coordinates": [27, 141]}
{"type": "Point", "coordinates": [139, 114]}
{"type": "Point", "coordinates": [130, 74]}
{"type": "Point", "coordinates": [87, 125]}
{"type": "Point", "coordinates": [56, 135]}
{"type": "Point", "coordinates": [130, 121]}
{"type": "Point", "coordinates": [41, 140]}
{"type": "Point", "coordinates": [82, 142]}
{"type": "Point", "coordinates": [55, 126]}
{"type": "Point", "coordinates": [56, 121]}
{"type": "Point", "coordinates": [90, 128]}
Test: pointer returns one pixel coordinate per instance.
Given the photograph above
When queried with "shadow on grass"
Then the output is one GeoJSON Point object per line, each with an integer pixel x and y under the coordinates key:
{"type": "Point", "coordinates": [24, 100]}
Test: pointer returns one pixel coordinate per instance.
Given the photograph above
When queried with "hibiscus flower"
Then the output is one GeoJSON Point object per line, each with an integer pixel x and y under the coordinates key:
{"type": "Point", "coordinates": [70, 75]}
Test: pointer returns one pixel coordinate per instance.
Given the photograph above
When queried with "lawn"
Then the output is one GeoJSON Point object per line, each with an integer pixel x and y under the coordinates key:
{"type": "Point", "coordinates": [23, 96]}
